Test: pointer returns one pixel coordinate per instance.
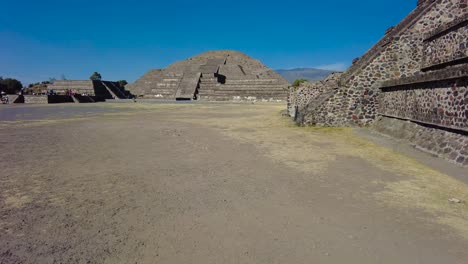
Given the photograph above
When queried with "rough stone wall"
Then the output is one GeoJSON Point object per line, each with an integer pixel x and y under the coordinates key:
{"type": "Point", "coordinates": [35, 99]}
{"type": "Point", "coordinates": [398, 55]}
{"type": "Point", "coordinates": [417, 72]}
{"type": "Point", "coordinates": [401, 58]}
{"type": "Point", "coordinates": [446, 44]}
{"type": "Point", "coordinates": [446, 144]}
{"type": "Point", "coordinates": [442, 103]}
{"type": "Point", "coordinates": [80, 87]}
{"type": "Point", "coordinates": [300, 97]}
{"type": "Point", "coordinates": [101, 89]}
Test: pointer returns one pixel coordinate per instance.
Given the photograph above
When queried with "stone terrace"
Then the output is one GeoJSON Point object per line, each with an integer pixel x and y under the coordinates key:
{"type": "Point", "coordinates": [92, 90]}
{"type": "Point", "coordinates": [213, 76]}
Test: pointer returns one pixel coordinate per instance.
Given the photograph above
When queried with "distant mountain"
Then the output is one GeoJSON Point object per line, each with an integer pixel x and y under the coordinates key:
{"type": "Point", "coordinates": [310, 74]}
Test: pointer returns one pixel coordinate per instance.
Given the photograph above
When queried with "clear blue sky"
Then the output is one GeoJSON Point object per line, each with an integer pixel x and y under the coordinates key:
{"type": "Point", "coordinates": [124, 39]}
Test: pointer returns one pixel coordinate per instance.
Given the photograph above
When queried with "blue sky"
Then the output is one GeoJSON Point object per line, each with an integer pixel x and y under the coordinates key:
{"type": "Point", "coordinates": [124, 39]}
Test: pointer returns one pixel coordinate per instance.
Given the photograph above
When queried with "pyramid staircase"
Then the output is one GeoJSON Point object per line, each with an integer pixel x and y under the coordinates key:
{"type": "Point", "coordinates": [114, 90]}
{"type": "Point", "coordinates": [188, 86]}
{"type": "Point", "coordinates": [261, 89]}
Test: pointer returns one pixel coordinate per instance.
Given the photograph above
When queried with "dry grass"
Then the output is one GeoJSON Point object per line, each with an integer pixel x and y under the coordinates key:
{"type": "Point", "coordinates": [313, 149]}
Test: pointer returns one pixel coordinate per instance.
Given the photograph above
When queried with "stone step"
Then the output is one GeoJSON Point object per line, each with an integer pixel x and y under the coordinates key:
{"type": "Point", "coordinates": [164, 94]}
{"type": "Point", "coordinates": [74, 87]}
{"type": "Point", "coordinates": [236, 98]}
{"type": "Point", "coordinates": [253, 85]}
{"type": "Point", "coordinates": [246, 79]}
{"type": "Point", "coordinates": [12, 98]}
{"type": "Point", "coordinates": [209, 84]}
{"type": "Point", "coordinates": [157, 97]}
{"type": "Point", "coordinates": [35, 99]}
{"type": "Point", "coordinates": [254, 82]}
{"type": "Point", "coordinates": [82, 99]}
{"type": "Point", "coordinates": [245, 95]}
{"type": "Point", "coordinates": [115, 91]}
{"type": "Point", "coordinates": [77, 82]}
{"type": "Point", "coordinates": [243, 90]}
{"type": "Point", "coordinates": [247, 87]}
{"type": "Point", "coordinates": [165, 85]}
{"type": "Point", "coordinates": [171, 90]}
{"type": "Point", "coordinates": [162, 89]}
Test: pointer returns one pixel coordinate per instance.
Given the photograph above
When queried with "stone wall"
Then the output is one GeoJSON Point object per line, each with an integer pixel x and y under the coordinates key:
{"type": "Point", "coordinates": [300, 97]}
{"type": "Point", "coordinates": [100, 89]}
{"type": "Point", "coordinates": [416, 72]}
{"type": "Point", "coordinates": [59, 99]}
{"type": "Point", "coordinates": [442, 103]}
{"type": "Point", "coordinates": [308, 92]}
{"type": "Point", "coordinates": [452, 146]}
{"type": "Point", "coordinates": [399, 54]}
{"type": "Point", "coordinates": [446, 44]}
{"type": "Point", "coordinates": [263, 90]}
{"type": "Point", "coordinates": [77, 86]}
{"type": "Point", "coordinates": [35, 99]}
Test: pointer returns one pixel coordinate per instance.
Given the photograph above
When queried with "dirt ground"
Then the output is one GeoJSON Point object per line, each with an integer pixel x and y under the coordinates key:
{"type": "Point", "coordinates": [215, 183]}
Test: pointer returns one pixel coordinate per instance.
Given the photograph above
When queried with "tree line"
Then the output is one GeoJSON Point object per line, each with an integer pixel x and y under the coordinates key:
{"type": "Point", "coordinates": [10, 85]}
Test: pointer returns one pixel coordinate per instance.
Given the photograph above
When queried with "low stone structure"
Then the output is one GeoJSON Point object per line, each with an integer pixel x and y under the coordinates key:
{"type": "Point", "coordinates": [413, 80]}
{"type": "Point", "coordinates": [46, 99]}
{"type": "Point", "coordinates": [302, 96]}
{"type": "Point", "coordinates": [35, 99]}
{"type": "Point", "coordinates": [213, 76]}
{"type": "Point", "coordinates": [88, 90]}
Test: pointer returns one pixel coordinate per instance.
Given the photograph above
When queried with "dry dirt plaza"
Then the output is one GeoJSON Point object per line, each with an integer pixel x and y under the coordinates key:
{"type": "Point", "coordinates": [218, 183]}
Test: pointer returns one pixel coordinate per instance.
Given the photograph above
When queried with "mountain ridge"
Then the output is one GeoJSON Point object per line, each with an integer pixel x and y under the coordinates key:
{"type": "Point", "coordinates": [310, 74]}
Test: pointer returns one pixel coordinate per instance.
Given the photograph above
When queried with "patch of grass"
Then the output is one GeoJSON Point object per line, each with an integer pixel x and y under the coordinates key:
{"type": "Point", "coordinates": [419, 187]}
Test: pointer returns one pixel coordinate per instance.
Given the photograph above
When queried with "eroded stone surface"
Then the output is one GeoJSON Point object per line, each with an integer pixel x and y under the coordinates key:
{"type": "Point", "coordinates": [416, 72]}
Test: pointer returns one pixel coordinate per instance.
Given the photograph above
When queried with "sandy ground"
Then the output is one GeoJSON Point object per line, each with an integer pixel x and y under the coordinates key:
{"type": "Point", "coordinates": [195, 183]}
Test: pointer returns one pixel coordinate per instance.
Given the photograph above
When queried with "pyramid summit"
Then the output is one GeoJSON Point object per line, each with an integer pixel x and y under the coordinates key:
{"type": "Point", "coordinates": [215, 76]}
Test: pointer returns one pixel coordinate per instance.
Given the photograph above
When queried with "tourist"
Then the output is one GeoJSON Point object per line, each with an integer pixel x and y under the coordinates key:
{"type": "Point", "coordinates": [4, 98]}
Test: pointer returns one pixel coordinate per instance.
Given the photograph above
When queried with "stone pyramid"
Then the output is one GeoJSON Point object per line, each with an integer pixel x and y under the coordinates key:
{"type": "Point", "coordinates": [213, 76]}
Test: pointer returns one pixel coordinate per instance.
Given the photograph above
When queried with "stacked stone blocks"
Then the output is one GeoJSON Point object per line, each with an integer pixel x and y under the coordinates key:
{"type": "Point", "coordinates": [416, 73]}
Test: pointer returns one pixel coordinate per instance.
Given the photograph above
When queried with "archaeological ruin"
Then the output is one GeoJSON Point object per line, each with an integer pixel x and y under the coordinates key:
{"type": "Point", "coordinates": [78, 91]}
{"type": "Point", "coordinates": [412, 84]}
{"type": "Point", "coordinates": [213, 76]}
{"type": "Point", "coordinates": [90, 90]}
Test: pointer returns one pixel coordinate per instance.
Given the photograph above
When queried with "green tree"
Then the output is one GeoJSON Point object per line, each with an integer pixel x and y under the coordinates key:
{"type": "Point", "coordinates": [298, 82]}
{"type": "Point", "coordinates": [10, 86]}
{"type": "Point", "coordinates": [96, 76]}
{"type": "Point", "coordinates": [2, 86]}
{"type": "Point", "coordinates": [123, 83]}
